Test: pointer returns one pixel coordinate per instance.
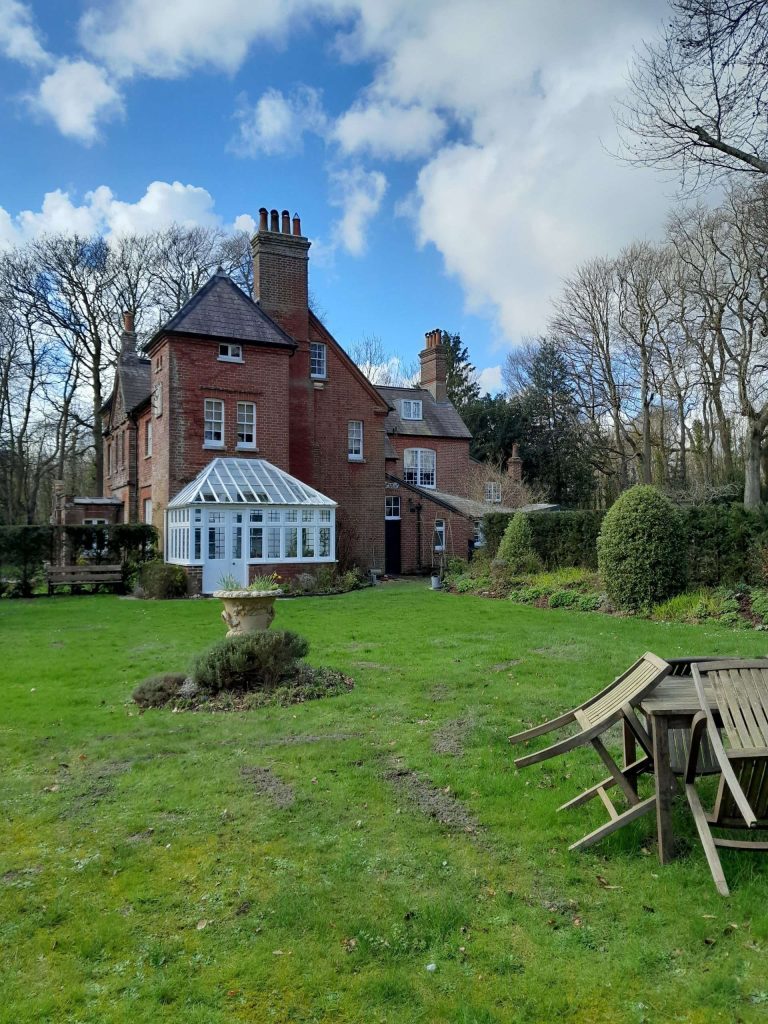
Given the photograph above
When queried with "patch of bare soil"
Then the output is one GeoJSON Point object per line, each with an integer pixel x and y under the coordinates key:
{"type": "Point", "coordinates": [438, 693]}
{"type": "Point", "coordinates": [19, 874]}
{"type": "Point", "coordinates": [450, 737]}
{"type": "Point", "coordinates": [297, 740]}
{"type": "Point", "coordinates": [436, 803]}
{"type": "Point", "coordinates": [269, 785]}
{"type": "Point", "coordinates": [503, 666]}
{"type": "Point", "coordinates": [140, 837]}
{"type": "Point", "coordinates": [373, 665]}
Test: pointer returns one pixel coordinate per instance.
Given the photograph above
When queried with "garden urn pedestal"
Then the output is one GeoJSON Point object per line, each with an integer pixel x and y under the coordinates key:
{"type": "Point", "coordinates": [247, 611]}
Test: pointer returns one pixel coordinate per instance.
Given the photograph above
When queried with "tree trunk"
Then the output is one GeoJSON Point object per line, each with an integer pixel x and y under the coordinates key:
{"type": "Point", "coordinates": [98, 440]}
{"type": "Point", "coordinates": [752, 466]}
{"type": "Point", "coordinates": [682, 464]}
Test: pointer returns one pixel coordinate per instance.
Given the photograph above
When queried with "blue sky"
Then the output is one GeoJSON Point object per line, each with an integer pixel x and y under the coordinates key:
{"type": "Point", "coordinates": [450, 158]}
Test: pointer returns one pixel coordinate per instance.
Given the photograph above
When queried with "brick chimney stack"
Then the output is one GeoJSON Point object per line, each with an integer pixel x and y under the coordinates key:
{"type": "Point", "coordinates": [280, 259]}
{"type": "Point", "coordinates": [433, 367]}
{"type": "Point", "coordinates": [515, 464]}
{"type": "Point", "coordinates": [128, 339]}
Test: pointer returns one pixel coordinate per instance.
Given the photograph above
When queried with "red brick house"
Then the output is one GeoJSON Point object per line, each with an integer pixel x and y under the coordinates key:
{"type": "Point", "coordinates": [251, 440]}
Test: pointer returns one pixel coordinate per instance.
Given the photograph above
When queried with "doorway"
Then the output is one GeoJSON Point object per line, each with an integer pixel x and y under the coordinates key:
{"type": "Point", "coordinates": [223, 550]}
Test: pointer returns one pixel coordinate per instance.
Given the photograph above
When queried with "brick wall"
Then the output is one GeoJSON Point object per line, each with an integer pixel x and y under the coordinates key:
{"type": "Point", "coordinates": [414, 539]}
{"type": "Point", "coordinates": [452, 465]}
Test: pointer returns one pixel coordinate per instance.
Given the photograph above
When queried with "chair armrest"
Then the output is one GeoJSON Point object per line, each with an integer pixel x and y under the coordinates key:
{"type": "Point", "coordinates": [698, 727]}
{"type": "Point", "coordinates": [539, 730]}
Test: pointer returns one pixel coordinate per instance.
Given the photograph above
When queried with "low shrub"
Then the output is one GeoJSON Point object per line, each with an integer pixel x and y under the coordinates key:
{"type": "Point", "coordinates": [250, 662]}
{"type": "Point", "coordinates": [759, 602]}
{"type": "Point", "coordinates": [641, 549]}
{"type": "Point", "coordinates": [161, 581]}
{"type": "Point", "coordinates": [157, 691]}
{"type": "Point", "coordinates": [589, 602]}
{"type": "Point", "coordinates": [563, 599]}
{"type": "Point", "coordinates": [515, 549]}
{"type": "Point", "coordinates": [326, 580]}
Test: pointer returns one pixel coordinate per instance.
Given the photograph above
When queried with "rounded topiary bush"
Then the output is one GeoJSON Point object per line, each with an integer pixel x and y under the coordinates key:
{"type": "Point", "coordinates": [250, 662]}
{"type": "Point", "coordinates": [641, 549]}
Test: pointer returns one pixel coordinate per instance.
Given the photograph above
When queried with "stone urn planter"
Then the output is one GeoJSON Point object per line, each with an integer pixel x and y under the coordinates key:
{"type": "Point", "coordinates": [247, 611]}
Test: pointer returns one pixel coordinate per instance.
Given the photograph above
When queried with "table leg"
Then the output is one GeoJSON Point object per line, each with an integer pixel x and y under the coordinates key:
{"type": "Point", "coordinates": [630, 751]}
{"type": "Point", "coordinates": [665, 787]}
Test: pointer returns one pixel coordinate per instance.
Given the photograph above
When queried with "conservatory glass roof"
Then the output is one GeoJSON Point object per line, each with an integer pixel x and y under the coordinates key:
{"type": "Point", "coordinates": [248, 482]}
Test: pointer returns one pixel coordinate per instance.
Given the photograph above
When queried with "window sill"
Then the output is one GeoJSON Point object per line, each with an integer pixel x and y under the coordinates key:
{"type": "Point", "coordinates": [229, 359]}
{"type": "Point", "coordinates": [148, 456]}
{"type": "Point", "coordinates": [355, 458]}
{"type": "Point", "coordinates": [246, 448]}
{"type": "Point", "coordinates": [213, 445]}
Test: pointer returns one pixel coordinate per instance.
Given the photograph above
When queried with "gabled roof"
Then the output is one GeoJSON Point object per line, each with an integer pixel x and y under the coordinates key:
{"type": "Point", "coordinates": [439, 419]}
{"type": "Point", "coordinates": [468, 506]}
{"type": "Point", "coordinates": [222, 310]}
{"type": "Point", "coordinates": [248, 482]}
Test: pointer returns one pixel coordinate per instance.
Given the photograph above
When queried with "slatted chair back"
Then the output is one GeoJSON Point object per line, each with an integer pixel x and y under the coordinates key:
{"type": "Point", "coordinates": [629, 689]}
{"type": "Point", "coordinates": [741, 693]}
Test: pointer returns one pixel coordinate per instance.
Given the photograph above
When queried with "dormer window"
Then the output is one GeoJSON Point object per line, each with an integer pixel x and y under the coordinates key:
{"type": "Point", "coordinates": [493, 492]}
{"type": "Point", "coordinates": [230, 353]}
{"type": "Point", "coordinates": [410, 409]}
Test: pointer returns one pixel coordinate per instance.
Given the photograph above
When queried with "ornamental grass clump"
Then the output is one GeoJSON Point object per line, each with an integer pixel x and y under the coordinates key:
{"type": "Point", "coordinates": [641, 549]}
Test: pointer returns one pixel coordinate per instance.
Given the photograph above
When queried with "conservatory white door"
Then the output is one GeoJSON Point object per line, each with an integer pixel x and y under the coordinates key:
{"type": "Point", "coordinates": [223, 549]}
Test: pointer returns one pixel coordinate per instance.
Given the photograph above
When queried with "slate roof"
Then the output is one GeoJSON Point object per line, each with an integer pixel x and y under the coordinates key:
{"type": "Point", "coordinates": [133, 373]}
{"type": "Point", "coordinates": [440, 419]}
{"type": "Point", "coordinates": [468, 506]}
{"type": "Point", "coordinates": [222, 310]}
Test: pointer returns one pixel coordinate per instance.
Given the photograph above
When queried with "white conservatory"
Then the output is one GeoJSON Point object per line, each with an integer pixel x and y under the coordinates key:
{"type": "Point", "coordinates": [243, 512]}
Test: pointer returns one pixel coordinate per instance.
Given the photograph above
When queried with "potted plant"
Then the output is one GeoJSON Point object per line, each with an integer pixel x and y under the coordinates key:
{"type": "Point", "coordinates": [248, 609]}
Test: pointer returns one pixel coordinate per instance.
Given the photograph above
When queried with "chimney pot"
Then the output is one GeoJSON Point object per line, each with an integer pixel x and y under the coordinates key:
{"type": "Point", "coordinates": [296, 224]}
{"type": "Point", "coordinates": [286, 225]}
{"type": "Point", "coordinates": [263, 219]}
{"type": "Point", "coordinates": [515, 464]}
{"type": "Point", "coordinates": [128, 321]}
{"type": "Point", "coordinates": [274, 220]}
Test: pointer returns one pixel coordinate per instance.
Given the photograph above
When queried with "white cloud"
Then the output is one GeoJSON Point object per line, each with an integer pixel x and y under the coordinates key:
{"type": "Point", "coordinates": [358, 194]}
{"type": "Point", "coordinates": [386, 130]}
{"type": "Point", "coordinates": [163, 203]}
{"type": "Point", "coordinates": [169, 39]}
{"type": "Point", "coordinates": [78, 96]}
{"type": "Point", "coordinates": [489, 380]}
{"type": "Point", "coordinates": [276, 123]}
{"type": "Point", "coordinates": [18, 37]}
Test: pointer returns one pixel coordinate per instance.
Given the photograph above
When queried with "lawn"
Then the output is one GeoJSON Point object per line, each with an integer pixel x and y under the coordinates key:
{"type": "Point", "coordinates": [285, 865]}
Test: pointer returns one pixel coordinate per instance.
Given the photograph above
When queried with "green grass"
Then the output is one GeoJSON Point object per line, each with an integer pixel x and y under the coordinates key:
{"type": "Point", "coordinates": [145, 878]}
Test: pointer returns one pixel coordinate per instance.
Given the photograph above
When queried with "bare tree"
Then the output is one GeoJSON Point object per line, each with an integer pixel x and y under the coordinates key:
{"type": "Point", "coordinates": [698, 99]}
{"type": "Point", "coordinates": [380, 366]}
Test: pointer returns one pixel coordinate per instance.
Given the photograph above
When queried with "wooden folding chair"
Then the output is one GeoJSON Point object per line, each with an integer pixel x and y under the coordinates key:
{"type": "Point", "coordinates": [741, 694]}
{"type": "Point", "coordinates": [616, 703]}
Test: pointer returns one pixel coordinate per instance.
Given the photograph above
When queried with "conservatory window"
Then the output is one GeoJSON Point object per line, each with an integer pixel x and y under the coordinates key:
{"type": "Point", "coordinates": [419, 466]}
{"type": "Point", "coordinates": [214, 423]}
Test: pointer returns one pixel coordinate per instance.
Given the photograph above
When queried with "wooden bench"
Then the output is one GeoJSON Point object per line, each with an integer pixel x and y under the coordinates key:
{"type": "Point", "coordinates": [76, 575]}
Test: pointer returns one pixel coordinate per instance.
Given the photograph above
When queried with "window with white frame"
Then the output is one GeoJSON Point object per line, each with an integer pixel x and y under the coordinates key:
{"type": "Point", "coordinates": [392, 506]}
{"type": "Point", "coordinates": [147, 510]}
{"type": "Point", "coordinates": [229, 353]}
{"type": "Point", "coordinates": [214, 423]}
{"type": "Point", "coordinates": [157, 400]}
{"type": "Point", "coordinates": [110, 459]}
{"type": "Point", "coordinates": [246, 425]}
{"type": "Point", "coordinates": [419, 466]}
{"type": "Point", "coordinates": [439, 535]}
{"type": "Point", "coordinates": [479, 536]}
{"type": "Point", "coordinates": [355, 440]}
{"type": "Point", "coordinates": [318, 359]}
{"type": "Point", "coordinates": [120, 449]}
{"type": "Point", "coordinates": [147, 439]}
{"type": "Point", "coordinates": [493, 491]}
{"type": "Point", "coordinates": [410, 409]}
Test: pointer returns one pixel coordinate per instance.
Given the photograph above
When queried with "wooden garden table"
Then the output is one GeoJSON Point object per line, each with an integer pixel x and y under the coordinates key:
{"type": "Point", "coordinates": [672, 705]}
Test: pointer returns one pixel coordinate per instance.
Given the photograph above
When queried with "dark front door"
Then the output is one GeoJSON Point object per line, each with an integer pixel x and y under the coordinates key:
{"type": "Point", "coordinates": [392, 547]}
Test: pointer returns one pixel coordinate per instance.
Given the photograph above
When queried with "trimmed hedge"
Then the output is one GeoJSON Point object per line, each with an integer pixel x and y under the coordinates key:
{"type": "Point", "coordinates": [641, 549]}
{"type": "Point", "coordinates": [560, 539]}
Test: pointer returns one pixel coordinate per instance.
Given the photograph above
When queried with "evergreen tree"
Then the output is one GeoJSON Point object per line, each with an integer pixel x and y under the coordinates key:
{"type": "Point", "coordinates": [461, 375]}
